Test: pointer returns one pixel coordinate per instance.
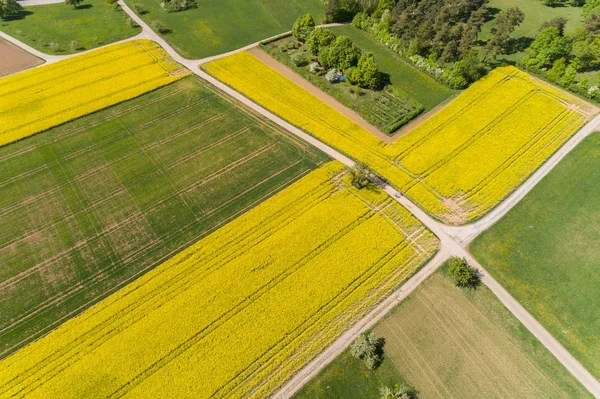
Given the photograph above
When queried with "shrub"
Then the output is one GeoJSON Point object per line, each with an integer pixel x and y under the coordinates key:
{"type": "Point", "coordinates": [178, 5]}
{"type": "Point", "coordinates": [351, 75]}
{"type": "Point", "coordinates": [54, 46]}
{"type": "Point", "coordinates": [367, 348]}
{"type": "Point", "coordinates": [463, 274]}
{"type": "Point", "coordinates": [315, 67]}
{"type": "Point", "coordinates": [298, 59]}
{"type": "Point", "coordinates": [283, 48]}
{"type": "Point", "coordinates": [74, 45]}
{"type": "Point", "coordinates": [139, 8]}
{"type": "Point", "coordinates": [116, 7]}
{"type": "Point", "coordinates": [159, 26]}
{"type": "Point", "coordinates": [401, 392]}
{"type": "Point", "coordinates": [331, 75]}
{"type": "Point", "coordinates": [131, 22]}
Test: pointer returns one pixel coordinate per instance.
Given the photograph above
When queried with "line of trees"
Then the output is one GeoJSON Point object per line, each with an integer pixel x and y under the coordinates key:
{"type": "Point", "coordinates": [440, 37]}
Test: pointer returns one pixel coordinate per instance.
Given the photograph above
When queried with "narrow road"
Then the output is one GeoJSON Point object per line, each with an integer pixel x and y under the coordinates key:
{"type": "Point", "coordinates": [453, 240]}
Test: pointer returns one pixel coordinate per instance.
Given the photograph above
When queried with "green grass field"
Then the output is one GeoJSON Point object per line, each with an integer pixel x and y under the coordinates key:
{"type": "Point", "coordinates": [218, 26]}
{"type": "Point", "coordinates": [545, 252]}
{"type": "Point", "coordinates": [95, 23]}
{"type": "Point", "coordinates": [536, 14]}
{"type": "Point", "coordinates": [89, 206]}
{"type": "Point", "coordinates": [402, 75]}
{"type": "Point", "coordinates": [447, 342]}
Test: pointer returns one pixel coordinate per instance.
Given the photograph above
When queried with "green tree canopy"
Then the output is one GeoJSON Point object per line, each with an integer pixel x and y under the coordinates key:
{"type": "Point", "coordinates": [463, 274]}
{"type": "Point", "coordinates": [73, 3]}
{"type": "Point", "coordinates": [343, 53]}
{"type": "Point", "coordinates": [9, 8]}
{"type": "Point", "coordinates": [548, 47]}
{"type": "Point", "coordinates": [318, 39]}
{"type": "Point", "coordinates": [303, 27]}
{"type": "Point", "coordinates": [366, 74]}
{"type": "Point", "coordinates": [506, 23]}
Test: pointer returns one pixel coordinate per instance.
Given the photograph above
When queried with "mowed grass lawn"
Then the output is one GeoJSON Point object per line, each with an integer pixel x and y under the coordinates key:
{"type": "Point", "coordinates": [451, 343]}
{"type": "Point", "coordinates": [89, 206]}
{"type": "Point", "coordinates": [95, 23]}
{"type": "Point", "coordinates": [218, 26]}
{"type": "Point", "coordinates": [402, 75]}
{"type": "Point", "coordinates": [545, 252]}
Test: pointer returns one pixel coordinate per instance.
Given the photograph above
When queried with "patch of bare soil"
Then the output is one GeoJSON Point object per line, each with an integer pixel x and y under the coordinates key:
{"type": "Point", "coordinates": [14, 59]}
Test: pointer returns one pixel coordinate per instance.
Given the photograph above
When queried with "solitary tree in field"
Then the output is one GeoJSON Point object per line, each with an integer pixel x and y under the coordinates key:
{"type": "Point", "coordinates": [9, 8]}
{"type": "Point", "coordinates": [74, 3]}
{"type": "Point", "coordinates": [361, 175]}
{"type": "Point", "coordinates": [463, 274]}
{"type": "Point", "coordinates": [368, 348]}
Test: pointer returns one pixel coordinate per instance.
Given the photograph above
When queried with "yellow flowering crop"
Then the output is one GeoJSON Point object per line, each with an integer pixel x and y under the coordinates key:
{"type": "Point", "coordinates": [459, 163]}
{"type": "Point", "coordinates": [47, 96]}
{"type": "Point", "coordinates": [239, 312]}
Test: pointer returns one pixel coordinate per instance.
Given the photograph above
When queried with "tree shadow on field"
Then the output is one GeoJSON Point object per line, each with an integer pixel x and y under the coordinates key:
{"type": "Point", "coordinates": [84, 7]}
{"type": "Point", "coordinates": [516, 45]}
{"type": "Point", "coordinates": [491, 13]}
{"type": "Point", "coordinates": [21, 15]}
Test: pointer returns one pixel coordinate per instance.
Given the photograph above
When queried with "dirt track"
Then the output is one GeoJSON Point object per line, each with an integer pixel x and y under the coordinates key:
{"type": "Point", "coordinates": [321, 95]}
{"type": "Point", "coordinates": [14, 59]}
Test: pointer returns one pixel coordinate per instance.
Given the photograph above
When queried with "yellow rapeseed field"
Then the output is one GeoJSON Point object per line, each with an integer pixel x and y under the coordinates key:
{"type": "Point", "coordinates": [459, 163]}
{"type": "Point", "coordinates": [239, 312]}
{"type": "Point", "coordinates": [47, 96]}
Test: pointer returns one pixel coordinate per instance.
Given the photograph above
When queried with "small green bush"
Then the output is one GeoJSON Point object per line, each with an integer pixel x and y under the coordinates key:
{"type": "Point", "coordinates": [139, 8]}
{"type": "Point", "coordinates": [159, 26]}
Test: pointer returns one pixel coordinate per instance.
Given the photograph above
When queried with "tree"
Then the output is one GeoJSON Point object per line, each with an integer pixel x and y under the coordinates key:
{"type": "Point", "coordinates": [366, 74]}
{"type": "Point", "coordinates": [74, 3]}
{"type": "Point", "coordinates": [323, 56]}
{"type": "Point", "coordinates": [590, 6]}
{"type": "Point", "coordinates": [558, 23]}
{"type": "Point", "coordinates": [401, 392]}
{"type": "Point", "coordinates": [471, 30]}
{"type": "Point", "coordinates": [318, 39]}
{"type": "Point", "coordinates": [9, 8]}
{"type": "Point", "coordinates": [558, 70]}
{"type": "Point", "coordinates": [303, 27]}
{"type": "Point", "coordinates": [368, 348]}
{"type": "Point", "coordinates": [569, 76]}
{"type": "Point", "coordinates": [361, 175]}
{"type": "Point", "coordinates": [547, 47]}
{"type": "Point", "coordinates": [463, 274]}
{"type": "Point", "coordinates": [506, 22]}
{"type": "Point", "coordinates": [343, 53]}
